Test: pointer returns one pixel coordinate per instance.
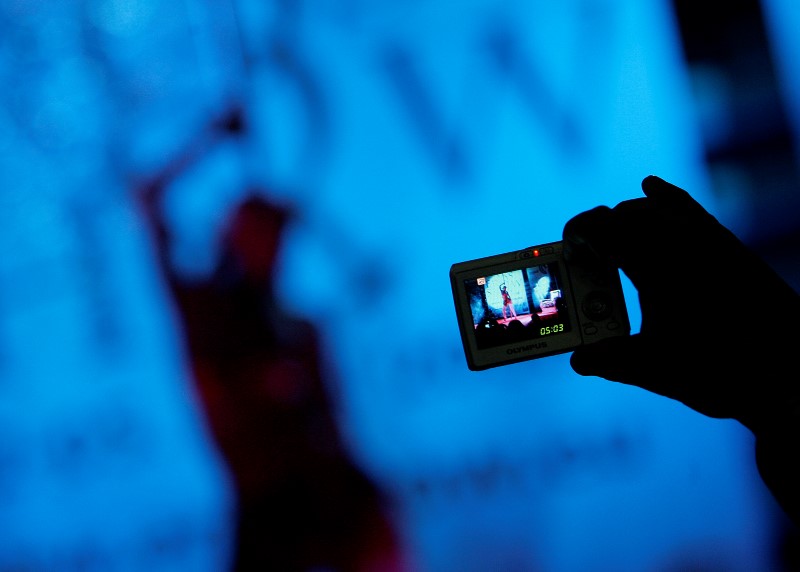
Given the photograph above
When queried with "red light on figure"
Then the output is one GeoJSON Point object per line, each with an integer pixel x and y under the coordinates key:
{"type": "Point", "coordinates": [535, 252]}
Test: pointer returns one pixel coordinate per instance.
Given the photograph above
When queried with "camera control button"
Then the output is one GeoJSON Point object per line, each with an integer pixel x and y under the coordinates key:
{"type": "Point", "coordinates": [590, 330]}
{"type": "Point", "coordinates": [597, 306]}
{"type": "Point", "coordinates": [612, 325]}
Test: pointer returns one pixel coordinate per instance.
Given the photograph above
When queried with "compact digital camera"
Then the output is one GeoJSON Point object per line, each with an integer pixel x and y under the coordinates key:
{"type": "Point", "coordinates": [530, 304]}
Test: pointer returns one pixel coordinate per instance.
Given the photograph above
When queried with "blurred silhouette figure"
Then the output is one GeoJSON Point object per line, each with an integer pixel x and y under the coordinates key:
{"type": "Point", "coordinates": [489, 331]}
{"type": "Point", "coordinates": [303, 503]}
{"type": "Point", "coordinates": [707, 357]}
{"type": "Point", "coordinates": [516, 331]}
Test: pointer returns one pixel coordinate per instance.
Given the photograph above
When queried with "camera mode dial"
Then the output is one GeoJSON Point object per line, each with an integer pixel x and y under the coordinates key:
{"type": "Point", "coordinates": [597, 306]}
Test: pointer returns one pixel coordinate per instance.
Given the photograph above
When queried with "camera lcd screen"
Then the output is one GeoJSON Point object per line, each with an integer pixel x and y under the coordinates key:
{"type": "Point", "coordinates": [518, 305]}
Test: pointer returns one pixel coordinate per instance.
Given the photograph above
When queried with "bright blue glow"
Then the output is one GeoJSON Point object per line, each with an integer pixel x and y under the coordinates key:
{"type": "Point", "coordinates": [409, 136]}
{"type": "Point", "coordinates": [542, 288]}
{"type": "Point", "coordinates": [514, 286]}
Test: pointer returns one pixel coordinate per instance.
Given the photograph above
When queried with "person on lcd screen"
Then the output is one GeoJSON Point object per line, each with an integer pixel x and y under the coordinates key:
{"type": "Point", "coordinates": [715, 361]}
{"type": "Point", "coordinates": [508, 304]}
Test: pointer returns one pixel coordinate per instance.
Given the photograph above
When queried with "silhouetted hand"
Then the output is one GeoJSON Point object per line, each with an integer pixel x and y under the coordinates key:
{"type": "Point", "coordinates": [719, 328]}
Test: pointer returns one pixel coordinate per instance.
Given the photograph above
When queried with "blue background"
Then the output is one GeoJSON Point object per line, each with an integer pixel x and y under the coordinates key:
{"type": "Point", "coordinates": [406, 136]}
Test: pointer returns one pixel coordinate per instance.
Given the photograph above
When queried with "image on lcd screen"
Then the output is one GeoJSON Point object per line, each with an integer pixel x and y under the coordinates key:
{"type": "Point", "coordinates": [518, 305]}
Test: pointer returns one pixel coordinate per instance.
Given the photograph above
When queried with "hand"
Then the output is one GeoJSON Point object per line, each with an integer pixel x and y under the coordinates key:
{"type": "Point", "coordinates": [719, 328]}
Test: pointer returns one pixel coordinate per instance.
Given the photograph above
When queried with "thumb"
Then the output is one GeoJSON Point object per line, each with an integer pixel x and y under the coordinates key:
{"type": "Point", "coordinates": [634, 360]}
{"type": "Point", "coordinates": [615, 359]}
